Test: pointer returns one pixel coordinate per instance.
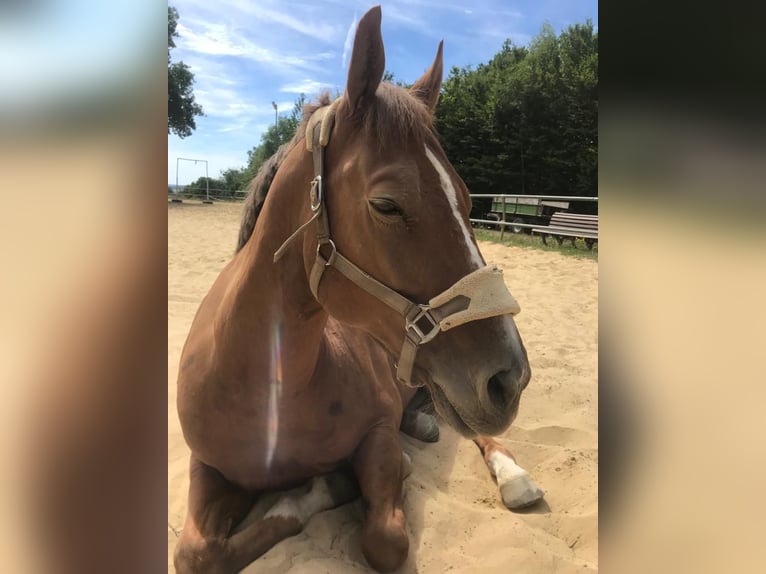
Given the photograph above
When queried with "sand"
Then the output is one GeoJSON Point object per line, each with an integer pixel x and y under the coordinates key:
{"type": "Point", "coordinates": [456, 518]}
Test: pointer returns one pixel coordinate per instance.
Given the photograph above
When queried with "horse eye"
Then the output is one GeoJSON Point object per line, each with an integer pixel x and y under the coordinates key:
{"type": "Point", "coordinates": [385, 207]}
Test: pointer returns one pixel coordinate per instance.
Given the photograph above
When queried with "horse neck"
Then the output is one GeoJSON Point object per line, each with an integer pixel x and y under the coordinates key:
{"type": "Point", "coordinates": [274, 299]}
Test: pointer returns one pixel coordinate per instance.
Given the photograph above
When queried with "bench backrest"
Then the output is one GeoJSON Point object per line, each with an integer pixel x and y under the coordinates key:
{"type": "Point", "coordinates": [574, 220]}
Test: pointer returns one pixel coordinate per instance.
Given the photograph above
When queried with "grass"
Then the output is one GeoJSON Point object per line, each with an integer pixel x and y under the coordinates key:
{"type": "Point", "coordinates": [535, 242]}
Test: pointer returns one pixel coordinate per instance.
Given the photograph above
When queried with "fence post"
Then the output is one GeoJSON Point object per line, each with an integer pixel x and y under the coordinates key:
{"type": "Point", "coordinates": [502, 227]}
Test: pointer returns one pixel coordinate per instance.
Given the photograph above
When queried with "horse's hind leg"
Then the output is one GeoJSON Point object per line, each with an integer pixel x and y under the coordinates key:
{"type": "Point", "coordinates": [418, 420]}
{"type": "Point", "coordinates": [516, 486]}
{"type": "Point", "coordinates": [420, 426]}
{"type": "Point", "coordinates": [210, 543]}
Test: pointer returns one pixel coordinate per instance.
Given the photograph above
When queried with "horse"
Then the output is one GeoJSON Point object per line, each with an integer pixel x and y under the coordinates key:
{"type": "Point", "coordinates": [357, 288]}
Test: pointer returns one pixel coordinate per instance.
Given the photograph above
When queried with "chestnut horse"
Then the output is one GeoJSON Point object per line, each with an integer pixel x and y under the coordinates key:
{"type": "Point", "coordinates": [356, 281]}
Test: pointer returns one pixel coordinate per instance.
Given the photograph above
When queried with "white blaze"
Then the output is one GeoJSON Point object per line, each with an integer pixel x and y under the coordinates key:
{"type": "Point", "coordinates": [449, 191]}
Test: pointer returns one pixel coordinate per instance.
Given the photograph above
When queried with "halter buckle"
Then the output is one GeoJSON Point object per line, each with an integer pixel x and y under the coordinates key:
{"type": "Point", "coordinates": [316, 193]}
{"type": "Point", "coordinates": [330, 259]}
{"type": "Point", "coordinates": [412, 325]}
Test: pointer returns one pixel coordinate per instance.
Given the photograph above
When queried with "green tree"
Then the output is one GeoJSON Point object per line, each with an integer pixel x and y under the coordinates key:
{"type": "Point", "coordinates": [388, 76]}
{"type": "Point", "coordinates": [276, 135]}
{"type": "Point", "coordinates": [182, 108]}
{"type": "Point", "coordinates": [272, 139]}
{"type": "Point", "coordinates": [233, 180]}
{"type": "Point", "coordinates": [526, 121]}
{"type": "Point", "coordinates": [216, 187]}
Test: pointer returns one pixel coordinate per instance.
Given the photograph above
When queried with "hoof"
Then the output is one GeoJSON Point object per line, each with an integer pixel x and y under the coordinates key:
{"type": "Point", "coordinates": [520, 492]}
{"type": "Point", "coordinates": [420, 426]}
{"type": "Point", "coordinates": [387, 549]}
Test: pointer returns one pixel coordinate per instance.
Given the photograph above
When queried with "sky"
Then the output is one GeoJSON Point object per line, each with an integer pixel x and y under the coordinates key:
{"type": "Point", "coordinates": [247, 53]}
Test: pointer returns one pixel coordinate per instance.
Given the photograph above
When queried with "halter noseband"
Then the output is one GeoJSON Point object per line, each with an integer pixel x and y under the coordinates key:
{"type": "Point", "coordinates": [478, 295]}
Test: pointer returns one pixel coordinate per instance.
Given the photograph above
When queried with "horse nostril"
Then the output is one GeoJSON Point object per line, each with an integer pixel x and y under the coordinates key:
{"type": "Point", "coordinates": [497, 388]}
{"type": "Point", "coordinates": [504, 388]}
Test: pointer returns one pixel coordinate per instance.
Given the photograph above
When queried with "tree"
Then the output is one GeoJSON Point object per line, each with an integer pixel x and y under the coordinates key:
{"type": "Point", "coordinates": [276, 135]}
{"type": "Point", "coordinates": [232, 179]}
{"type": "Point", "coordinates": [216, 188]}
{"type": "Point", "coordinates": [388, 76]}
{"type": "Point", "coordinates": [273, 138]}
{"type": "Point", "coordinates": [526, 121]}
{"type": "Point", "coordinates": [182, 108]}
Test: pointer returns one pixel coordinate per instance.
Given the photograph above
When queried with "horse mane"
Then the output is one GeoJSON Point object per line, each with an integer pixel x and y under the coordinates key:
{"type": "Point", "coordinates": [394, 117]}
{"type": "Point", "coordinates": [259, 187]}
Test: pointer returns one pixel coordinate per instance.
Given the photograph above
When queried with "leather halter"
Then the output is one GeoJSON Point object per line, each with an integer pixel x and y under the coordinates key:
{"type": "Point", "coordinates": [478, 295]}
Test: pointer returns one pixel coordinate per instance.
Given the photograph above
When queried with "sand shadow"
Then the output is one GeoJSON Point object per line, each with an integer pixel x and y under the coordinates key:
{"type": "Point", "coordinates": [424, 482]}
{"type": "Point", "coordinates": [539, 507]}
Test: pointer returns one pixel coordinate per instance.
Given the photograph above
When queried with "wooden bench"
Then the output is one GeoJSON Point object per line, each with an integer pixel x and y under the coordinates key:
{"type": "Point", "coordinates": [570, 225]}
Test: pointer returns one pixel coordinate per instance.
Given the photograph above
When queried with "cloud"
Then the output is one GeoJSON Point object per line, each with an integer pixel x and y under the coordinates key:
{"type": "Point", "coordinates": [431, 6]}
{"type": "Point", "coordinates": [225, 103]}
{"type": "Point", "coordinates": [233, 127]}
{"type": "Point", "coordinates": [211, 71]}
{"type": "Point", "coordinates": [311, 27]}
{"type": "Point", "coordinates": [404, 15]}
{"type": "Point", "coordinates": [349, 43]}
{"type": "Point", "coordinates": [312, 21]}
{"type": "Point", "coordinates": [305, 86]}
{"type": "Point", "coordinates": [222, 40]}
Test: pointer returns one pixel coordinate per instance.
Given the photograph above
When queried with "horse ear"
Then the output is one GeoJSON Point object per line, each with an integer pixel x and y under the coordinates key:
{"type": "Point", "coordinates": [368, 61]}
{"type": "Point", "coordinates": [426, 89]}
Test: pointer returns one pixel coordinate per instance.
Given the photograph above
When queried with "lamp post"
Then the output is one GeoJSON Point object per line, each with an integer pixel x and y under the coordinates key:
{"type": "Point", "coordinates": [273, 103]}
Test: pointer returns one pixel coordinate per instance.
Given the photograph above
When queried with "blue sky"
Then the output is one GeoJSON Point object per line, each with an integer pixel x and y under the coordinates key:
{"type": "Point", "coordinates": [247, 53]}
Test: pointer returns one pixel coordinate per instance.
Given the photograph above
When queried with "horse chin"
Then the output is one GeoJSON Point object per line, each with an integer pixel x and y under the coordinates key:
{"type": "Point", "coordinates": [448, 412]}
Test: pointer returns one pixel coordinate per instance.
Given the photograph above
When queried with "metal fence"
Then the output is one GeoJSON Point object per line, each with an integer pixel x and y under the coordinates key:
{"type": "Point", "coordinates": [212, 194]}
{"type": "Point", "coordinates": [509, 199]}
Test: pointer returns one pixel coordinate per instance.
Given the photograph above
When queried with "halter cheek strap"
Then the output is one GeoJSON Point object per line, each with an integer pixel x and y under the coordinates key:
{"type": "Point", "coordinates": [478, 295]}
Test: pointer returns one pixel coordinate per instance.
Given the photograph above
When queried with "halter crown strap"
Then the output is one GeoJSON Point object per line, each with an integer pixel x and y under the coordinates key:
{"type": "Point", "coordinates": [478, 295]}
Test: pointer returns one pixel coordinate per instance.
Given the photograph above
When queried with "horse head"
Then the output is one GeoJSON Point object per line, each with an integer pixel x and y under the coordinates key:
{"type": "Point", "coordinates": [392, 217]}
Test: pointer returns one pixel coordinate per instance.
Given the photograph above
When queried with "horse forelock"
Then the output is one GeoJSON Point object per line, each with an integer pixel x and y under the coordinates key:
{"type": "Point", "coordinates": [397, 116]}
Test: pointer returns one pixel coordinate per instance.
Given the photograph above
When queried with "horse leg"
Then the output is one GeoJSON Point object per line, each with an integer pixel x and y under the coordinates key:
{"type": "Point", "coordinates": [210, 543]}
{"type": "Point", "coordinates": [416, 422]}
{"type": "Point", "coordinates": [516, 486]}
{"type": "Point", "coordinates": [419, 425]}
{"type": "Point", "coordinates": [380, 467]}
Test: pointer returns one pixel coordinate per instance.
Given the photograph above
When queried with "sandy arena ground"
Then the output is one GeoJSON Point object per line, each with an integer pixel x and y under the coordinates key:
{"type": "Point", "coordinates": [456, 518]}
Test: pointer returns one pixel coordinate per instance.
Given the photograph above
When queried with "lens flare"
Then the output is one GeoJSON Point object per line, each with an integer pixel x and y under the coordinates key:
{"type": "Point", "coordinates": [275, 393]}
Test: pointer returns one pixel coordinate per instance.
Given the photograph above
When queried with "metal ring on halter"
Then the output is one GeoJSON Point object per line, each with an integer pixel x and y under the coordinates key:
{"type": "Point", "coordinates": [330, 260]}
{"type": "Point", "coordinates": [316, 193]}
{"type": "Point", "coordinates": [412, 325]}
